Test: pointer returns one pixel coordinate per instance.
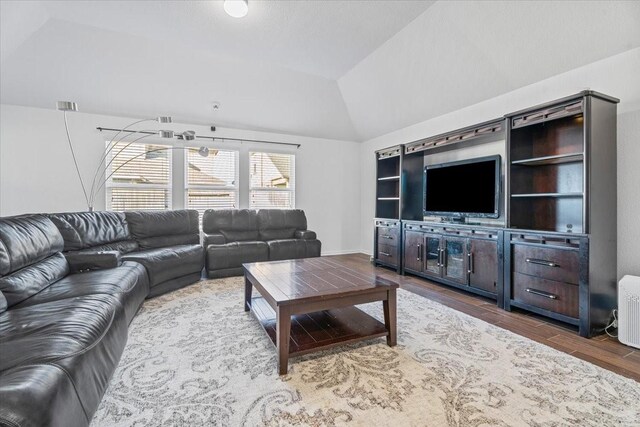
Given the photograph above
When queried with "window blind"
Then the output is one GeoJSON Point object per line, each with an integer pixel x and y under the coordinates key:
{"type": "Point", "coordinates": [212, 181]}
{"type": "Point", "coordinates": [271, 181]}
{"type": "Point", "coordinates": [141, 177]}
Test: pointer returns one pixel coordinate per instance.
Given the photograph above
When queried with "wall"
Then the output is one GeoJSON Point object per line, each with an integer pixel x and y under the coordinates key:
{"type": "Point", "coordinates": [616, 76]}
{"type": "Point", "coordinates": [37, 172]}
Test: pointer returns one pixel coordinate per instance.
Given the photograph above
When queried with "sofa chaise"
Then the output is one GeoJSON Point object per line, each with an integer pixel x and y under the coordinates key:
{"type": "Point", "coordinates": [236, 236]}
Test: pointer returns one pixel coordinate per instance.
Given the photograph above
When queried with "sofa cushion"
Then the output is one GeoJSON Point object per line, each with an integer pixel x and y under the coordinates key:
{"type": "Point", "coordinates": [293, 249]}
{"type": "Point", "coordinates": [235, 225]}
{"type": "Point", "coordinates": [128, 282]}
{"type": "Point", "coordinates": [25, 240]}
{"type": "Point", "coordinates": [164, 264]}
{"type": "Point", "coordinates": [103, 230]}
{"type": "Point", "coordinates": [57, 329]}
{"type": "Point", "coordinates": [83, 336]}
{"type": "Point", "coordinates": [30, 280]}
{"type": "Point", "coordinates": [21, 404]}
{"type": "Point", "coordinates": [280, 223]}
{"type": "Point", "coordinates": [233, 255]}
{"type": "Point", "coordinates": [157, 229]}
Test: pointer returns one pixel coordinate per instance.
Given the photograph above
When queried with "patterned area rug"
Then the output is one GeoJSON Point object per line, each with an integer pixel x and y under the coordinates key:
{"type": "Point", "coordinates": [194, 357]}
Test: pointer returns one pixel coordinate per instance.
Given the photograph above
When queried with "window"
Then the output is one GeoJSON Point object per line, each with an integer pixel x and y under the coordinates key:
{"type": "Point", "coordinates": [211, 179]}
{"type": "Point", "coordinates": [141, 177]}
{"type": "Point", "coordinates": [271, 180]}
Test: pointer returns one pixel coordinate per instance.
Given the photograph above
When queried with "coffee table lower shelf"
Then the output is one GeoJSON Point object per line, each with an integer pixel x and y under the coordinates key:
{"type": "Point", "coordinates": [321, 330]}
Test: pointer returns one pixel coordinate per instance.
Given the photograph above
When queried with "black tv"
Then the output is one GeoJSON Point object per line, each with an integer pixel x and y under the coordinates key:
{"type": "Point", "coordinates": [467, 188]}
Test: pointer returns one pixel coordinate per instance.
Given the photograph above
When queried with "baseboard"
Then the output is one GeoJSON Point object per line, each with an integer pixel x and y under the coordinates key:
{"type": "Point", "coordinates": [344, 252]}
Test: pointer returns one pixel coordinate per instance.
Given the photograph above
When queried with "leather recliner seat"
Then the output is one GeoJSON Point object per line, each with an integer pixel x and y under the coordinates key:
{"type": "Point", "coordinates": [166, 243]}
{"type": "Point", "coordinates": [236, 236]}
{"type": "Point", "coordinates": [169, 248]}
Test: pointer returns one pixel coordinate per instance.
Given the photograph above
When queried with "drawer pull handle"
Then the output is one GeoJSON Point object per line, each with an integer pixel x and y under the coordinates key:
{"type": "Point", "coordinates": [542, 262]}
{"type": "Point", "coordinates": [419, 258]}
{"type": "Point", "coordinates": [387, 237]}
{"type": "Point", "coordinates": [470, 269]}
{"type": "Point", "coordinates": [384, 253]}
{"type": "Point", "coordinates": [541, 293]}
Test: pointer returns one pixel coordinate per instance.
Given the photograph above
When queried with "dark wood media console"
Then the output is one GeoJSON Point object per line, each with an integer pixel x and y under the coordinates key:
{"type": "Point", "coordinates": [552, 251]}
{"type": "Point", "coordinates": [465, 257]}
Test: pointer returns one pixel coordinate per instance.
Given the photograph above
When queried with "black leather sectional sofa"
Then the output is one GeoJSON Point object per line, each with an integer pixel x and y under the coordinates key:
{"type": "Point", "coordinates": [70, 284]}
{"type": "Point", "coordinates": [236, 236]}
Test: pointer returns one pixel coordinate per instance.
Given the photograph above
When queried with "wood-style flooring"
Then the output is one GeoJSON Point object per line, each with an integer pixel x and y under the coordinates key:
{"type": "Point", "coordinates": [602, 350]}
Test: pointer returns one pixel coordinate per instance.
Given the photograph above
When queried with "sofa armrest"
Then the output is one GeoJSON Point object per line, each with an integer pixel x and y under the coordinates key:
{"type": "Point", "coordinates": [214, 239]}
{"type": "Point", "coordinates": [305, 234]}
{"type": "Point", "coordinates": [100, 260]}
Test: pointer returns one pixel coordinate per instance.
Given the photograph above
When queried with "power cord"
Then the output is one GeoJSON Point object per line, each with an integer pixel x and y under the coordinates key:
{"type": "Point", "coordinates": [613, 324]}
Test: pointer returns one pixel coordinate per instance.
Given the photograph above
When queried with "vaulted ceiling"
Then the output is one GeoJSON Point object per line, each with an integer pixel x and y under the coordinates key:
{"type": "Point", "coordinates": [347, 70]}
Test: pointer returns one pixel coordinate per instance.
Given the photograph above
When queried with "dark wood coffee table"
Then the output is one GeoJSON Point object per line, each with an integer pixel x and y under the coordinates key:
{"type": "Point", "coordinates": [307, 305]}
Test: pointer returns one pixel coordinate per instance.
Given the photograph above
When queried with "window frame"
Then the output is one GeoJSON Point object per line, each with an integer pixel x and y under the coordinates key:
{"type": "Point", "coordinates": [187, 187]}
{"type": "Point", "coordinates": [292, 179]}
{"type": "Point", "coordinates": [109, 184]}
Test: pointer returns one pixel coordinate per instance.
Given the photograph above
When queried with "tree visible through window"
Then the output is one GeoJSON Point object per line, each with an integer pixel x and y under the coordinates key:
{"type": "Point", "coordinates": [141, 177]}
{"type": "Point", "coordinates": [272, 178]}
{"type": "Point", "coordinates": [212, 179]}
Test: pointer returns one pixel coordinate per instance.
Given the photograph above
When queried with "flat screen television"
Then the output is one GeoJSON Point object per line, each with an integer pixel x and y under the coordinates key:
{"type": "Point", "coordinates": [467, 188]}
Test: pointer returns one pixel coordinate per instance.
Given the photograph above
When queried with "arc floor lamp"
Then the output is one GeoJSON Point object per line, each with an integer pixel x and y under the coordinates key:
{"type": "Point", "coordinates": [100, 177]}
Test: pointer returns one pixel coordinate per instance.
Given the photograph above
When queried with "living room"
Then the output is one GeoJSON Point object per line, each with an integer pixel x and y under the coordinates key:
{"type": "Point", "coordinates": [203, 203]}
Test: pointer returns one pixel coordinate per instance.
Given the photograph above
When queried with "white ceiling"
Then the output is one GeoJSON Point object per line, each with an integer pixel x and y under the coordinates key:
{"type": "Point", "coordinates": [338, 69]}
{"type": "Point", "coordinates": [321, 38]}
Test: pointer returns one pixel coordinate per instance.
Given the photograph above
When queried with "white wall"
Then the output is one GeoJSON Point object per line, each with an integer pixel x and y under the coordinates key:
{"type": "Point", "coordinates": [616, 76]}
{"type": "Point", "coordinates": [37, 172]}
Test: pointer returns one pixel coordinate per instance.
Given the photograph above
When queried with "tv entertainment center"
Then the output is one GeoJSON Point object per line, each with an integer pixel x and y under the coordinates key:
{"type": "Point", "coordinates": [521, 209]}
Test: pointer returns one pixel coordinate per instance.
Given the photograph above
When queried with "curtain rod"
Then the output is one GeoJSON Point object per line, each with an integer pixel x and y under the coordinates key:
{"type": "Point", "coordinates": [213, 138]}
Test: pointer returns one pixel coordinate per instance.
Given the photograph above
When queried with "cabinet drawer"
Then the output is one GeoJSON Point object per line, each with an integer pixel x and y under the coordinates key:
{"type": "Point", "coordinates": [388, 236]}
{"type": "Point", "coordinates": [546, 294]}
{"type": "Point", "coordinates": [387, 254]}
{"type": "Point", "coordinates": [547, 263]}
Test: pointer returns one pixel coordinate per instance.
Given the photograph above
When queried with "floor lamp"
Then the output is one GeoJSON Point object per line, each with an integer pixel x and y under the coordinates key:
{"type": "Point", "coordinates": [100, 176]}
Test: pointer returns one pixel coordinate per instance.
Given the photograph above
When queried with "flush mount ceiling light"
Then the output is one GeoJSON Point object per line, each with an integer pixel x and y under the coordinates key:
{"type": "Point", "coordinates": [236, 8]}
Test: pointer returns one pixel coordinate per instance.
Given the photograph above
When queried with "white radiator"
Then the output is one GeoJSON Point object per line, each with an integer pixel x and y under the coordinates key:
{"type": "Point", "coordinates": [629, 311]}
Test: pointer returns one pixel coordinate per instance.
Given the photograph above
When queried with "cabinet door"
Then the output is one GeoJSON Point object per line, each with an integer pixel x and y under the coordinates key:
{"type": "Point", "coordinates": [483, 264]}
{"type": "Point", "coordinates": [432, 264]}
{"type": "Point", "coordinates": [455, 259]}
{"type": "Point", "coordinates": [413, 251]}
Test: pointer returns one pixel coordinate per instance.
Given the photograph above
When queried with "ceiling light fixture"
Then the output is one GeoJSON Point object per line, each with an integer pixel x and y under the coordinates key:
{"type": "Point", "coordinates": [236, 8]}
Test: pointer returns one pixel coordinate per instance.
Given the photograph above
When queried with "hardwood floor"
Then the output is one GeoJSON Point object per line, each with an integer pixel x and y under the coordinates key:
{"type": "Point", "coordinates": [602, 350]}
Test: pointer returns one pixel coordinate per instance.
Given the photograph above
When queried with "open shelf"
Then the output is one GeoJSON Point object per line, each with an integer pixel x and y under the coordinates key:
{"type": "Point", "coordinates": [548, 211]}
{"type": "Point", "coordinates": [546, 175]}
{"type": "Point", "coordinates": [547, 195]}
{"type": "Point", "coordinates": [322, 329]}
{"type": "Point", "coordinates": [550, 160]}
{"type": "Point", "coordinates": [548, 140]}
{"type": "Point", "coordinates": [389, 166]}
{"type": "Point", "coordinates": [388, 176]}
